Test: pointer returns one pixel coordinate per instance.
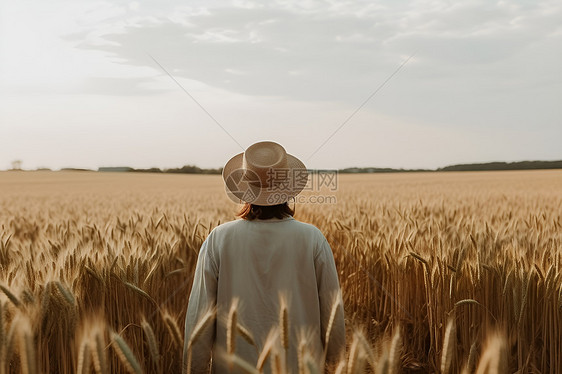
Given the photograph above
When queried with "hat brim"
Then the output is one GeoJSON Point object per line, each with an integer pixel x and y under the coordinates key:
{"type": "Point", "coordinates": [241, 192]}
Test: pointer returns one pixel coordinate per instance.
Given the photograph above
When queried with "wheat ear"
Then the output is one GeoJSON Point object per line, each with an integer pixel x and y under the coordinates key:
{"type": "Point", "coordinates": [152, 342]}
{"type": "Point", "coordinates": [201, 326]}
{"type": "Point", "coordinates": [246, 334]}
{"type": "Point", "coordinates": [84, 357]}
{"type": "Point", "coordinates": [394, 353]}
{"type": "Point", "coordinates": [284, 324]}
{"type": "Point", "coordinates": [232, 327]}
{"type": "Point", "coordinates": [266, 350]}
{"type": "Point", "coordinates": [26, 348]}
{"type": "Point", "coordinates": [448, 346]}
{"type": "Point", "coordinates": [126, 355]}
{"type": "Point", "coordinates": [173, 329]}
{"type": "Point", "coordinates": [98, 353]}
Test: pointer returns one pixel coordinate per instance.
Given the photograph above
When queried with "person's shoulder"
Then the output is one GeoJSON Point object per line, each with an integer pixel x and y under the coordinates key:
{"type": "Point", "coordinates": [320, 242]}
{"type": "Point", "coordinates": [293, 225]}
{"type": "Point", "coordinates": [226, 227]}
{"type": "Point", "coordinates": [309, 228]}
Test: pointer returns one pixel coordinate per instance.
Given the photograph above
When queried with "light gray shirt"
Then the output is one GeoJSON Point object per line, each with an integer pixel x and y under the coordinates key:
{"type": "Point", "coordinates": [255, 261]}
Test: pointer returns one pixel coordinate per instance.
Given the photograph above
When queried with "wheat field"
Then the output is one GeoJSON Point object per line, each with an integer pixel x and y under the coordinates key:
{"type": "Point", "coordinates": [440, 272]}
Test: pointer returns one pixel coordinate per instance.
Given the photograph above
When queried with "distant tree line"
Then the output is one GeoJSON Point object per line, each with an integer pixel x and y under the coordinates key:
{"type": "Point", "coordinates": [186, 169]}
{"type": "Point", "coordinates": [192, 169]}
{"type": "Point", "coordinates": [522, 165]}
{"type": "Point", "coordinates": [379, 170]}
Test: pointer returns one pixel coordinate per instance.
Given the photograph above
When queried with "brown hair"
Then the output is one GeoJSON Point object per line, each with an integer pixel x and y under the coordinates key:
{"type": "Point", "coordinates": [250, 211]}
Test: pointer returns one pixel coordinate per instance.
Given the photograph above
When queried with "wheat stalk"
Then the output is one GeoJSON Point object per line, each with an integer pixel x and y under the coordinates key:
{"type": "Point", "coordinates": [3, 338]}
{"type": "Point", "coordinates": [394, 352]}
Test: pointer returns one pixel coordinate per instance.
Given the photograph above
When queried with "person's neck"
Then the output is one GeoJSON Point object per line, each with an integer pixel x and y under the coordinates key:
{"type": "Point", "coordinates": [275, 219]}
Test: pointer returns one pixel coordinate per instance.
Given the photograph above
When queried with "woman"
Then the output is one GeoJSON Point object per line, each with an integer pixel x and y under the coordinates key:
{"type": "Point", "coordinates": [279, 273]}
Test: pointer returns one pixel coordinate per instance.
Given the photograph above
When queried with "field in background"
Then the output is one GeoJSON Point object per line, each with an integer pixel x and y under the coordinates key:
{"type": "Point", "coordinates": [85, 256]}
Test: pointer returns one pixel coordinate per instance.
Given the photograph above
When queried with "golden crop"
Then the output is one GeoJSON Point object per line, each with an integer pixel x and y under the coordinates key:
{"type": "Point", "coordinates": [440, 272]}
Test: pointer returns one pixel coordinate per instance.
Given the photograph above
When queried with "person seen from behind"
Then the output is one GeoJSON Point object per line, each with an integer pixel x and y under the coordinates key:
{"type": "Point", "coordinates": [264, 283]}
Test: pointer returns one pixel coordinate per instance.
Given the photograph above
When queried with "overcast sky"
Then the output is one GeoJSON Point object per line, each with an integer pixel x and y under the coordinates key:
{"type": "Point", "coordinates": [78, 87]}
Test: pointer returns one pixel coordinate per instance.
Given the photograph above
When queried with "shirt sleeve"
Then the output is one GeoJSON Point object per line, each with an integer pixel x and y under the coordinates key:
{"type": "Point", "coordinates": [329, 292]}
{"type": "Point", "coordinates": [203, 298]}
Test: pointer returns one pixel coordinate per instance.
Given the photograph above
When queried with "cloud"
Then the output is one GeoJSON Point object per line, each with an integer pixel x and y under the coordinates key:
{"type": "Point", "coordinates": [468, 53]}
{"type": "Point", "coordinates": [106, 86]}
{"type": "Point", "coordinates": [269, 45]}
{"type": "Point", "coordinates": [118, 86]}
{"type": "Point", "coordinates": [331, 45]}
{"type": "Point", "coordinates": [485, 74]}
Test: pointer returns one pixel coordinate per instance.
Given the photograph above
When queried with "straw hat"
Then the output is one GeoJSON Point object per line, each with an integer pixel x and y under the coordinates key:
{"type": "Point", "coordinates": [265, 174]}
